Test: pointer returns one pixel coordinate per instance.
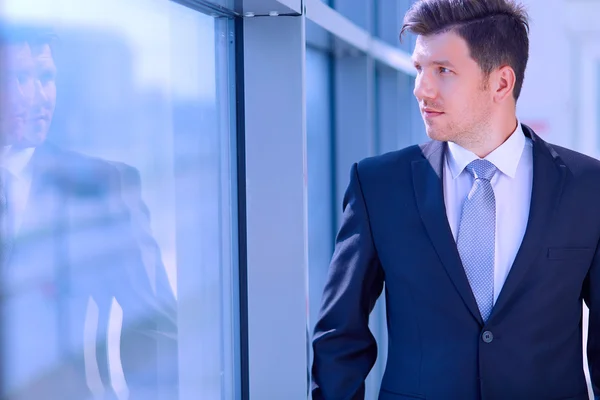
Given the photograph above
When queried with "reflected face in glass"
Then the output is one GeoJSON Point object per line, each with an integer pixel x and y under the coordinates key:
{"type": "Point", "coordinates": [16, 91]}
{"type": "Point", "coordinates": [44, 100]}
{"type": "Point", "coordinates": [453, 93]}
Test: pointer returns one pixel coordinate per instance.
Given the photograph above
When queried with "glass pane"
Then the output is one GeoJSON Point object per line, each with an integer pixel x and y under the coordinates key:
{"type": "Point", "coordinates": [320, 175]}
{"type": "Point", "coordinates": [118, 272]}
{"type": "Point", "coordinates": [357, 11]}
{"type": "Point", "coordinates": [388, 16]}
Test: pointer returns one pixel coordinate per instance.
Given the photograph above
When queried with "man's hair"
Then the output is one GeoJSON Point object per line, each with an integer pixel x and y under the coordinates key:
{"type": "Point", "coordinates": [14, 33]}
{"type": "Point", "coordinates": [496, 31]}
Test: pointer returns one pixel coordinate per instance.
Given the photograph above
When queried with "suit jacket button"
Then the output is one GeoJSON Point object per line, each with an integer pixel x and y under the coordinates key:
{"type": "Point", "coordinates": [487, 337]}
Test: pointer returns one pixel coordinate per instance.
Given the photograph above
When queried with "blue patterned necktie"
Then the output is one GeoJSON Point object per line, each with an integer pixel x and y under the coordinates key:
{"type": "Point", "coordinates": [477, 235]}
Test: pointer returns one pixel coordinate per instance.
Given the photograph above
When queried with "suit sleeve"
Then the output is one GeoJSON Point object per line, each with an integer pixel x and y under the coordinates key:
{"type": "Point", "coordinates": [592, 299]}
{"type": "Point", "coordinates": [344, 347]}
{"type": "Point", "coordinates": [149, 348]}
{"type": "Point", "coordinates": [130, 189]}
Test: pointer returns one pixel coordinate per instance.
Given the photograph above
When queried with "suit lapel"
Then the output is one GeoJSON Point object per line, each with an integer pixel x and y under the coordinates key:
{"type": "Point", "coordinates": [429, 193]}
{"type": "Point", "coordinates": [548, 181]}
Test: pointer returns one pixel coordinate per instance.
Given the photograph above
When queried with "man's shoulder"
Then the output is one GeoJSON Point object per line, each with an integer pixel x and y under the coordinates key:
{"type": "Point", "coordinates": [83, 173]}
{"type": "Point", "coordinates": [393, 163]}
{"type": "Point", "coordinates": [50, 155]}
{"type": "Point", "coordinates": [577, 163]}
{"type": "Point", "coordinates": [394, 158]}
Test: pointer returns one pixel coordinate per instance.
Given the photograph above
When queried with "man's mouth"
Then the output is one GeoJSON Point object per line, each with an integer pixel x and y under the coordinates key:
{"type": "Point", "coordinates": [429, 112]}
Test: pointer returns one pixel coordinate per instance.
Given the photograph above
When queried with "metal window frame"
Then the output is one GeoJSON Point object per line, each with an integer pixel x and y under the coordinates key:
{"type": "Point", "coordinates": [273, 207]}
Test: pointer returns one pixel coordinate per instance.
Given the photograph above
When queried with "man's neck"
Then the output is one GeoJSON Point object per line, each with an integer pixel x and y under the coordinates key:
{"type": "Point", "coordinates": [17, 159]}
{"type": "Point", "coordinates": [493, 138]}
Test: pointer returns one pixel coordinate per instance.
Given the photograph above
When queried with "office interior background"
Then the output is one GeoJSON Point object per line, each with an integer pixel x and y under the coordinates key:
{"type": "Point", "coordinates": [243, 118]}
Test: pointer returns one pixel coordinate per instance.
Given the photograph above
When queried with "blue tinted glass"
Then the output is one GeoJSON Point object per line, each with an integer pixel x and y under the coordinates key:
{"type": "Point", "coordinates": [320, 174]}
{"type": "Point", "coordinates": [117, 275]}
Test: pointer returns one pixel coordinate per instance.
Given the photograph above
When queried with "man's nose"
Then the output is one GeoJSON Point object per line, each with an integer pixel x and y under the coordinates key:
{"type": "Point", "coordinates": [424, 87]}
{"type": "Point", "coordinates": [40, 92]}
{"type": "Point", "coordinates": [26, 93]}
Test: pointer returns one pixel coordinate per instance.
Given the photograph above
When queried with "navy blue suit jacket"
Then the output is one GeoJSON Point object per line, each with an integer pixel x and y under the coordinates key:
{"type": "Point", "coordinates": [395, 231]}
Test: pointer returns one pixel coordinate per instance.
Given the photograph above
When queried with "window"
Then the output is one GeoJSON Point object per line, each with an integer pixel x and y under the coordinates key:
{"type": "Point", "coordinates": [119, 172]}
{"type": "Point", "coordinates": [358, 12]}
{"type": "Point", "coordinates": [388, 16]}
{"type": "Point", "coordinates": [320, 175]}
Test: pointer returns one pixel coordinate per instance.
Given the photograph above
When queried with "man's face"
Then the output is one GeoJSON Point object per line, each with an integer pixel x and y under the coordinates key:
{"type": "Point", "coordinates": [16, 91]}
{"type": "Point", "coordinates": [44, 99]}
{"type": "Point", "coordinates": [451, 89]}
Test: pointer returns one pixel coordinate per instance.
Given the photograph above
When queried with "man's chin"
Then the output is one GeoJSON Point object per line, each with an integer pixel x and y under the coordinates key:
{"type": "Point", "coordinates": [31, 139]}
{"type": "Point", "coordinates": [436, 134]}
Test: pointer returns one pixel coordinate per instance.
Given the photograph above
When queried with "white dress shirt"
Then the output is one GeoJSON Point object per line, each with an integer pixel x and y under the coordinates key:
{"type": "Point", "coordinates": [18, 185]}
{"type": "Point", "coordinates": [512, 187]}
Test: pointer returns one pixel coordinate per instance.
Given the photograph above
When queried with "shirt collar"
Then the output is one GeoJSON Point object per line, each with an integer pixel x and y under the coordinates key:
{"type": "Point", "coordinates": [17, 161]}
{"type": "Point", "coordinates": [505, 158]}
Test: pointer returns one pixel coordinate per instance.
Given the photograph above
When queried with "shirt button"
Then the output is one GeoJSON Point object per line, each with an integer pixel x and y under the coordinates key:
{"type": "Point", "coordinates": [487, 337]}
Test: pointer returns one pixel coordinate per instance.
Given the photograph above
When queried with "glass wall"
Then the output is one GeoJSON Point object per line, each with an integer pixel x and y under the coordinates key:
{"type": "Point", "coordinates": [166, 188]}
{"type": "Point", "coordinates": [119, 267]}
{"type": "Point", "coordinates": [319, 124]}
{"type": "Point", "coordinates": [387, 22]}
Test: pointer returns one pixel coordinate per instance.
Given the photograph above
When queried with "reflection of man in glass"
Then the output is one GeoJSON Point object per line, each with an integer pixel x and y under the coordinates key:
{"type": "Point", "coordinates": [16, 84]}
{"type": "Point", "coordinates": [80, 316]}
{"type": "Point", "coordinates": [16, 95]}
{"type": "Point", "coordinates": [42, 111]}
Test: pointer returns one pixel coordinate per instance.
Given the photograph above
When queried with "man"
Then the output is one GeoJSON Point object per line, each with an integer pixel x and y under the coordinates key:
{"type": "Point", "coordinates": [16, 84]}
{"type": "Point", "coordinates": [486, 237]}
{"type": "Point", "coordinates": [80, 316]}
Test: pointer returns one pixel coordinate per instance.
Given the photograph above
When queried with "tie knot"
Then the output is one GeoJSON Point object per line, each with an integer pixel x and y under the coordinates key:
{"type": "Point", "coordinates": [481, 169]}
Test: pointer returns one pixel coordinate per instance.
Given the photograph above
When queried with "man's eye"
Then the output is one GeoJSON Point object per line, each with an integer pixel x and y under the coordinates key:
{"type": "Point", "coordinates": [24, 78]}
{"type": "Point", "coordinates": [47, 77]}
